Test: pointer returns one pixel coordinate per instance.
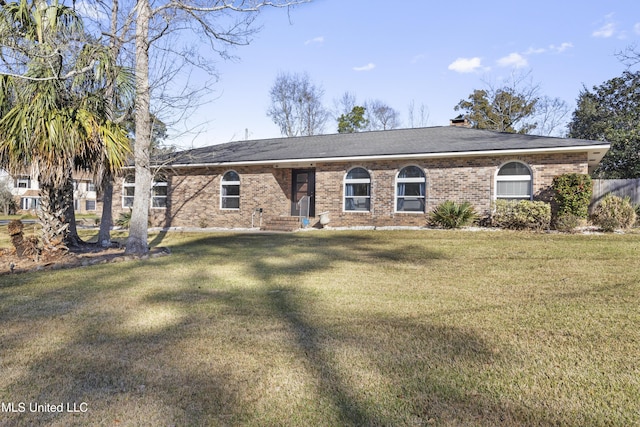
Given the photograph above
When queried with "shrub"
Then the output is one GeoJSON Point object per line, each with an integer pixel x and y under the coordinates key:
{"type": "Point", "coordinates": [572, 192]}
{"type": "Point", "coordinates": [449, 214]}
{"type": "Point", "coordinates": [521, 215]}
{"type": "Point", "coordinates": [124, 220]}
{"type": "Point", "coordinates": [614, 212]}
{"type": "Point", "coordinates": [567, 222]}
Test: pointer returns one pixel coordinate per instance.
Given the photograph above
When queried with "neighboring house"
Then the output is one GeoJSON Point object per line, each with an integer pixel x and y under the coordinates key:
{"type": "Point", "coordinates": [382, 178]}
{"type": "Point", "coordinates": [27, 193]}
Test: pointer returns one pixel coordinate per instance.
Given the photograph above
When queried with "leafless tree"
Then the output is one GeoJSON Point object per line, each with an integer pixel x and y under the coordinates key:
{"type": "Point", "coordinates": [220, 25]}
{"type": "Point", "coordinates": [551, 116]}
{"type": "Point", "coordinates": [419, 119]}
{"type": "Point", "coordinates": [381, 116]}
{"type": "Point", "coordinates": [630, 56]}
{"type": "Point", "coordinates": [296, 105]}
{"type": "Point", "coordinates": [344, 104]}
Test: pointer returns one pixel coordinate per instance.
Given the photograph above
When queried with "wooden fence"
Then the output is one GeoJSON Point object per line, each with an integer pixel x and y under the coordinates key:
{"type": "Point", "coordinates": [619, 187]}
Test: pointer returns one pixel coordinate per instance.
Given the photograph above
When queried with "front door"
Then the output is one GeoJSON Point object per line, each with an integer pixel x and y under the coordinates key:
{"type": "Point", "coordinates": [303, 191]}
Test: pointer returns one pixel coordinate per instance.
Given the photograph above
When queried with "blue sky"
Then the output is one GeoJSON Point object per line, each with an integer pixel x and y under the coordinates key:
{"type": "Point", "coordinates": [431, 53]}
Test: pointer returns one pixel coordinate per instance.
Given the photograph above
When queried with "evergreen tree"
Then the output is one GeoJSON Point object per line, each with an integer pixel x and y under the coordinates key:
{"type": "Point", "coordinates": [611, 112]}
{"type": "Point", "coordinates": [353, 121]}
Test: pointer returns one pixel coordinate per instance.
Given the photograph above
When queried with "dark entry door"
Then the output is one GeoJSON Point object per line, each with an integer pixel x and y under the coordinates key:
{"type": "Point", "coordinates": [303, 191]}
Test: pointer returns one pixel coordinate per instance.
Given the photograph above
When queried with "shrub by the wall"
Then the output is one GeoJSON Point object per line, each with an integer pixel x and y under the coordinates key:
{"type": "Point", "coordinates": [613, 213]}
{"type": "Point", "coordinates": [449, 214]}
{"type": "Point", "coordinates": [521, 215]}
{"type": "Point", "coordinates": [572, 193]}
{"type": "Point", "coordinates": [567, 222]}
{"type": "Point", "coordinates": [124, 220]}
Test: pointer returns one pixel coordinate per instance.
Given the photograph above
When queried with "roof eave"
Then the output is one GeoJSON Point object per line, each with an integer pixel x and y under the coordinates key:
{"type": "Point", "coordinates": [596, 152]}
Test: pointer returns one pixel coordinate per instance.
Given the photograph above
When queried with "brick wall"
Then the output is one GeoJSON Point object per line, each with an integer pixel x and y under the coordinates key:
{"type": "Point", "coordinates": [195, 193]}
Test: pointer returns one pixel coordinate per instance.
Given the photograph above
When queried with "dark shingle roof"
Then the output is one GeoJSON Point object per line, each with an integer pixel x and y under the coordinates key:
{"type": "Point", "coordinates": [432, 141]}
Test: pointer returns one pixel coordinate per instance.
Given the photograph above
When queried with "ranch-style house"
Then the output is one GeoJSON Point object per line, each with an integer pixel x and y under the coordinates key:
{"type": "Point", "coordinates": [372, 179]}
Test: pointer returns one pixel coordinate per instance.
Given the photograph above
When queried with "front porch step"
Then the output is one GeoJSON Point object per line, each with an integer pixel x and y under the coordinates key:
{"type": "Point", "coordinates": [282, 223]}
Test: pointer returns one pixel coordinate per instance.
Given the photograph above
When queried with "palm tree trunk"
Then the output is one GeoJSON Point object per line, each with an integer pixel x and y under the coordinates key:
{"type": "Point", "coordinates": [52, 214]}
{"type": "Point", "coordinates": [72, 239]}
{"type": "Point", "coordinates": [106, 220]}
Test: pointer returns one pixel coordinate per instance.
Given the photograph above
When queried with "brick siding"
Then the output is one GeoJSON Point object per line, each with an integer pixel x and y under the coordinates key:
{"type": "Point", "coordinates": [194, 194]}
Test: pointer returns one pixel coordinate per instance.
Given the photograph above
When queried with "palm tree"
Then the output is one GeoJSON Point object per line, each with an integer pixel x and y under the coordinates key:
{"type": "Point", "coordinates": [55, 111]}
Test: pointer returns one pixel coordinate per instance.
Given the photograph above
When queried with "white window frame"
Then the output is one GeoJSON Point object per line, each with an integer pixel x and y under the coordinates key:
{"type": "Point", "coordinates": [127, 200]}
{"type": "Point", "coordinates": [23, 181]}
{"type": "Point", "coordinates": [422, 180]}
{"type": "Point", "coordinates": [159, 201]}
{"type": "Point", "coordinates": [514, 178]}
{"type": "Point", "coordinates": [223, 184]}
{"type": "Point", "coordinates": [29, 203]}
{"type": "Point", "coordinates": [348, 181]}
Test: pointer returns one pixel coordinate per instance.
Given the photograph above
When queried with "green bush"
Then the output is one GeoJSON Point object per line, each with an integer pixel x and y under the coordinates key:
{"type": "Point", "coordinates": [572, 193]}
{"type": "Point", "coordinates": [614, 212]}
{"type": "Point", "coordinates": [521, 215]}
{"type": "Point", "coordinates": [450, 214]}
{"type": "Point", "coordinates": [124, 220]}
{"type": "Point", "coordinates": [567, 222]}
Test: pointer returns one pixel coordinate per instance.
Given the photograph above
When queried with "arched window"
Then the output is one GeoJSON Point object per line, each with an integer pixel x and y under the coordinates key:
{"type": "Point", "coordinates": [357, 190]}
{"type": "Point", "coordinates": [514, 182]}
{"type": "Point", "coordinates": [410, 190]}
{"type": "Point", "coordinates": [230, 191]}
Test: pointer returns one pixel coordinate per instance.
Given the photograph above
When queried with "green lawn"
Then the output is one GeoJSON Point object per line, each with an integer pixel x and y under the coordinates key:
{"type": "Point", "coordinates": [397, 328]}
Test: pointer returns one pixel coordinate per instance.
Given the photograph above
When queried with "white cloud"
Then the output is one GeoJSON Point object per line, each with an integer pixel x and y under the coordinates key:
{"type": "Point", "coordinates": [513, 60]}
{"type": "Point", "coordinates": [370, 66]}
{"type": "Point", "coordinates": [608, 29]}
{"type": "Point", "coordinates": [636, 28]}
{"type": "Point", "coordinates": [319, 39]}
{"type": "Point", "coordinates": [466, 65]}
{"type": "Point", "coordinates": [535, 51]}
{"type": "Point", "coordinates": [559, 49]}
{"type": "Point", "coordinates": [605, 31]}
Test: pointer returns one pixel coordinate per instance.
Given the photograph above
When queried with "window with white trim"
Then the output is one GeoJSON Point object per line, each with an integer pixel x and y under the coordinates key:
{"type": "Point", "coordinates": [90, 205]}
{"type": "Point", "coordinates": [128, 191]}
{"type": "Point", "coordinates": [357, 190]}
{"type": "Point", "coordinates": [23, 182]}
{"type": "Point", "coordinates": [29, 203]}
{"type": "Point", "coordinates": [159, 193]}
{"type": "Point", "coordinates": [514, 182]}
{"type": "Point", "coordinates": [230, 191]}
{"type": "Point", "coordinates": [410, 190]}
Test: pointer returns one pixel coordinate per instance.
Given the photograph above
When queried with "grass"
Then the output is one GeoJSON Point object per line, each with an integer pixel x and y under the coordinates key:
{"type": "Point", "coordinates": [398, 328]}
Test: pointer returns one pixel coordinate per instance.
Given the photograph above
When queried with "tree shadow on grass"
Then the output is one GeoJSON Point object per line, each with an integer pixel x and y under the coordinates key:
{"type": "Point", "coordinates": [202, 351]}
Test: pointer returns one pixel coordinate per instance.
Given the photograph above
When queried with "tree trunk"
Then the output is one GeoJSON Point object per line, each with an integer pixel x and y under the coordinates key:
{"type": "Point", "coordinates": [24, 247]}
{"type": "Point", "coordinates": [72, 238]}
{"type": "Point", "coordinates": [106, 184]}
{"type": "Point", "coordinates": [53, 207]}
{"type": "Point", "coordinates": [138, 231]}
{"type": "Point", "coordinates": [106, 220]}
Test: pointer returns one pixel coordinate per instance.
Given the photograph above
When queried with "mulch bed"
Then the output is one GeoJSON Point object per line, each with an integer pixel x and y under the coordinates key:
{"type": "Point", "coordinates": [81, 256]}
